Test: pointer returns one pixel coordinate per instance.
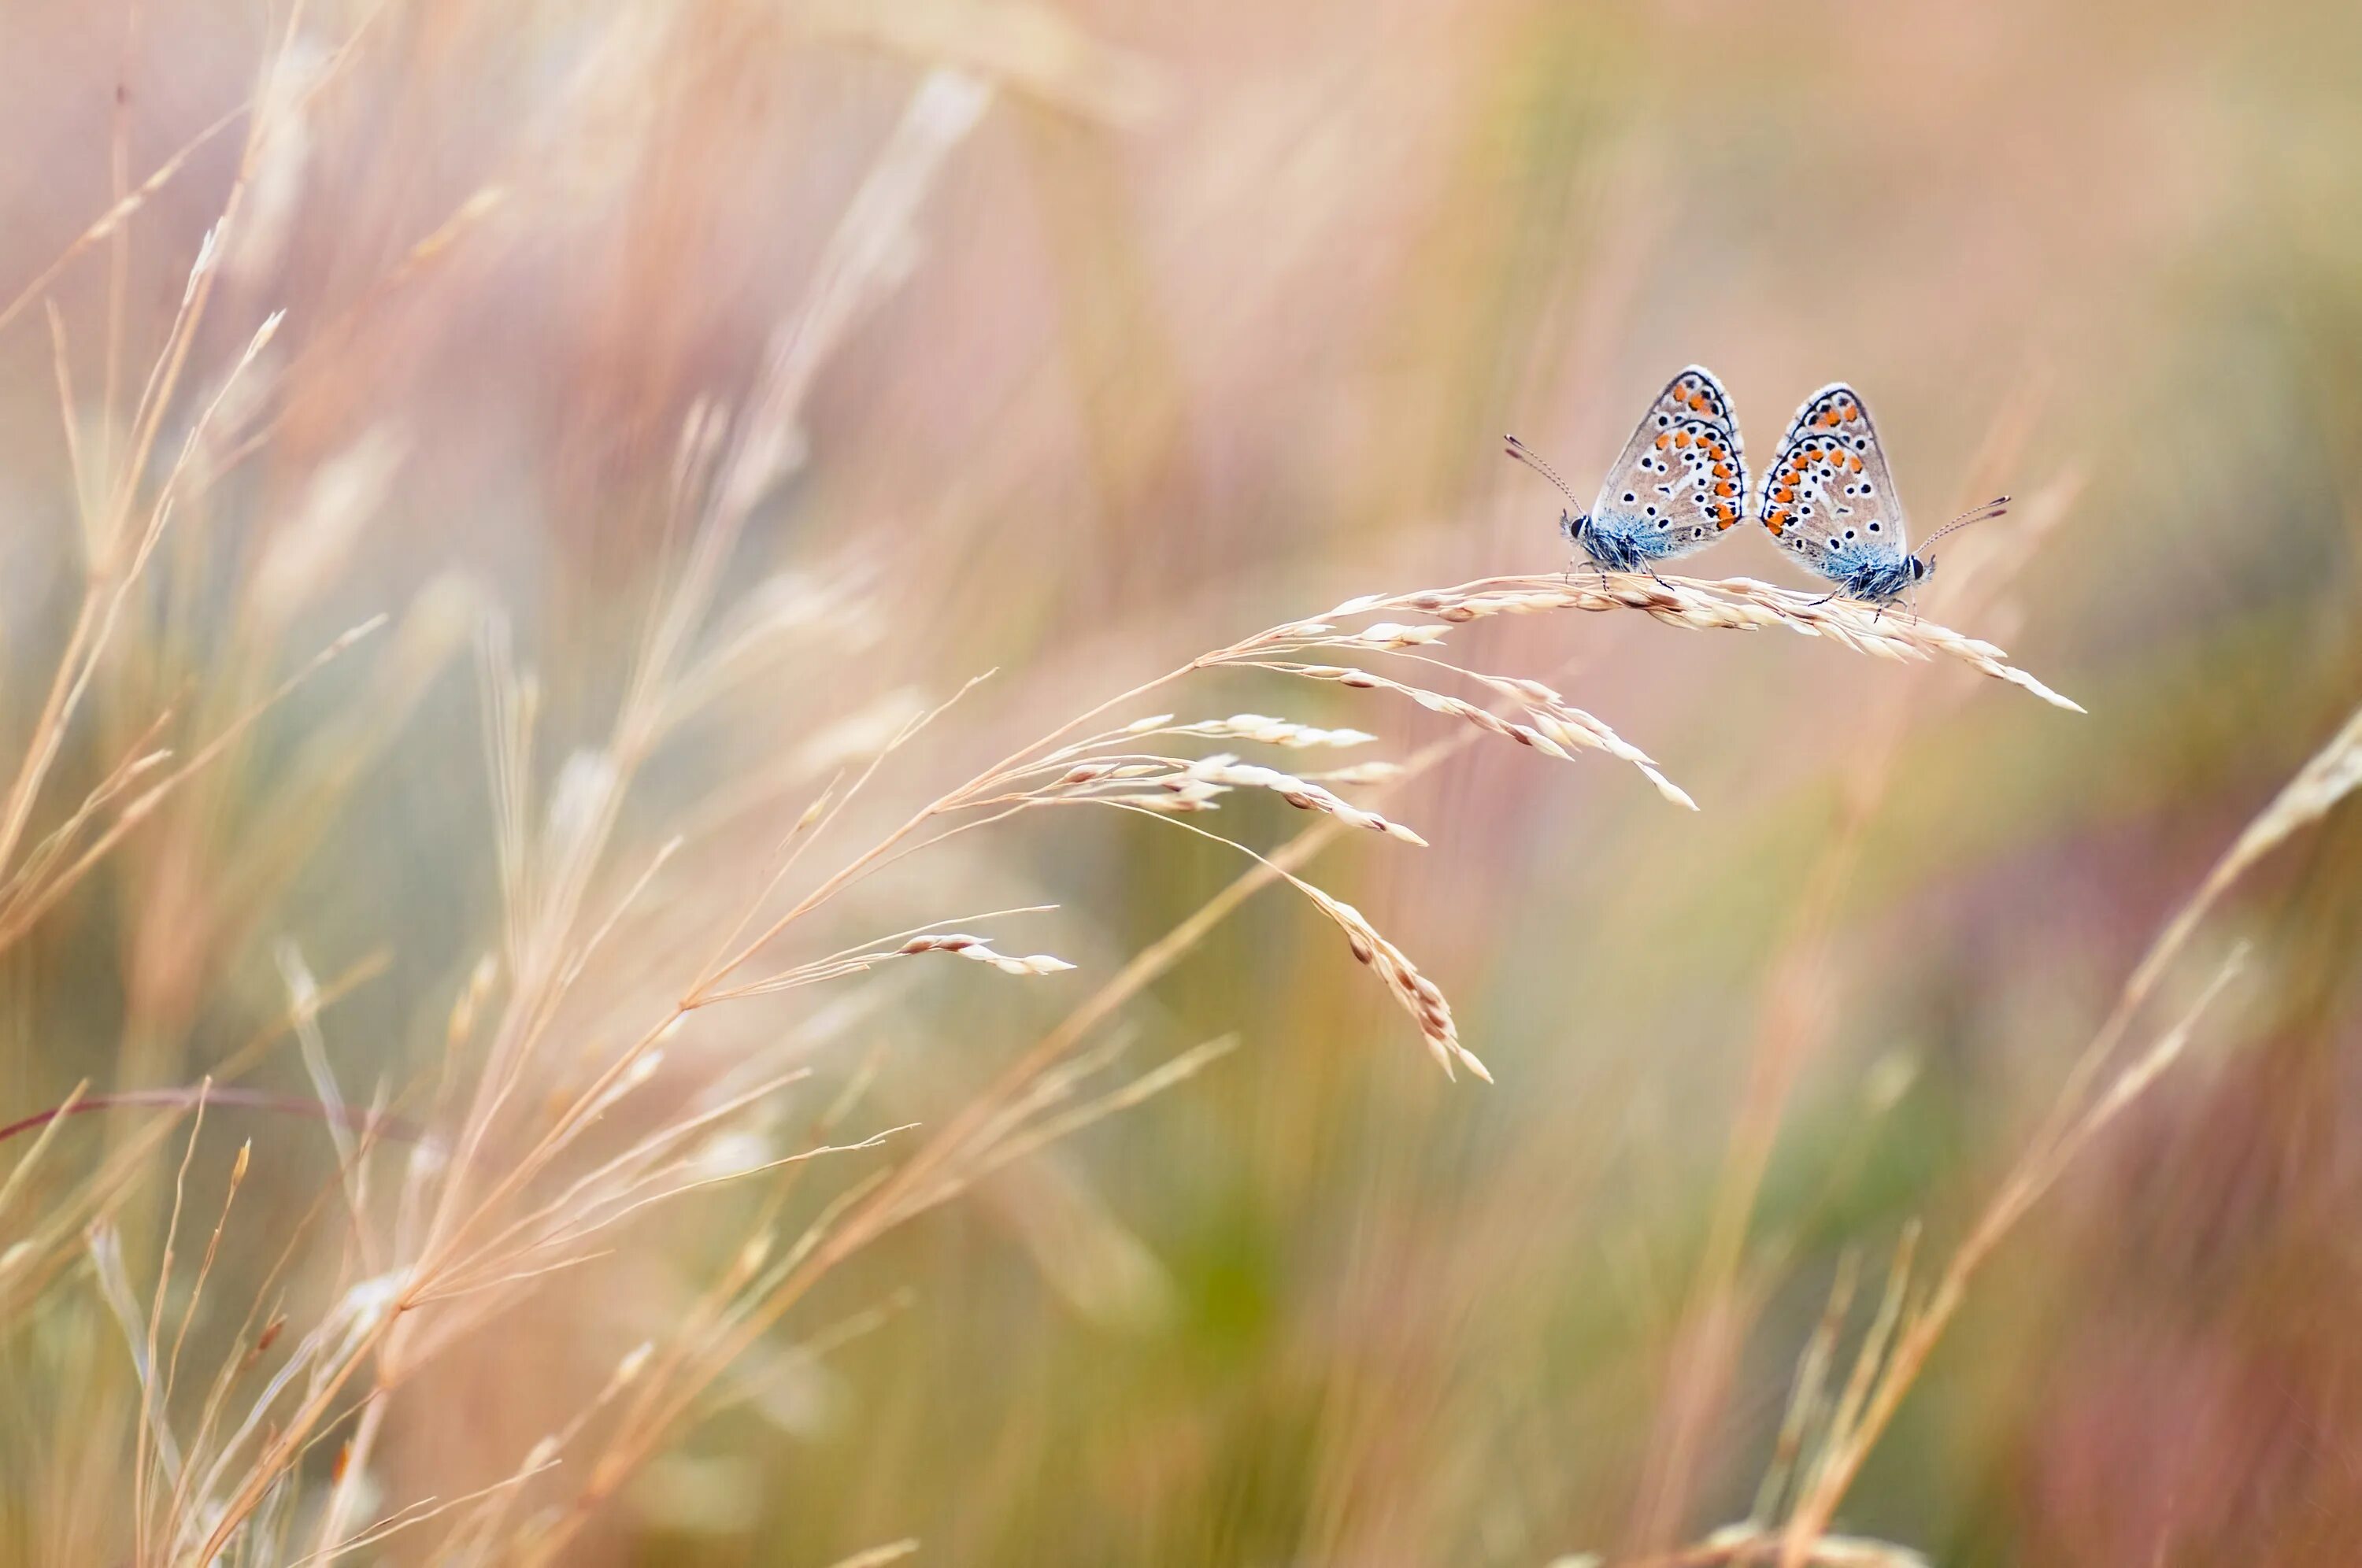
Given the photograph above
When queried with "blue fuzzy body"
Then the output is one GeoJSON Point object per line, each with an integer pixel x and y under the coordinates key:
{"type": "Point", "coordinates": [1878, 573]}
{"type": "Point", "coordinates": [1616, 542]}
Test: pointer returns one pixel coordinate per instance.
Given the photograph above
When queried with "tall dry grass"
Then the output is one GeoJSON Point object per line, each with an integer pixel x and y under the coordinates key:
{"type": "Point", "coordinates": [581, 1178]}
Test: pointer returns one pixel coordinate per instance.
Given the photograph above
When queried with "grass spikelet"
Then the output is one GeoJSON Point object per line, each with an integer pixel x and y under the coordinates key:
{"type": "Point", "coordinates": [1268, 731]}
{"type": "Point", "coordinates": [979, 949]}
{"type": "Point", "coordinates": [1419, 996]}
{"type": "Point", "coordinates": [1227, 772]}
{"type": "Point", "coordinates": [1555, 730]}
{"type": "Point", "coordinates": [1736, 603]}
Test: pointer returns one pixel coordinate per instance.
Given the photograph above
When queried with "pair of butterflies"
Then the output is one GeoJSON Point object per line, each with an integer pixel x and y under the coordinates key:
{"type": "Point", "coordinates": [1681, 483]}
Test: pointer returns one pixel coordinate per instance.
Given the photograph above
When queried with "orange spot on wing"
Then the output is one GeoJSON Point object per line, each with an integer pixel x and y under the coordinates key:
{"type": "Point", "coordinates": [1664, 442]}
{"type": "Point", "coordinates": [1682, 439]}
{"type": "Point", "coordinates": [1777, 521]}
{"type": "Point", "coordinates": [1723, 489]}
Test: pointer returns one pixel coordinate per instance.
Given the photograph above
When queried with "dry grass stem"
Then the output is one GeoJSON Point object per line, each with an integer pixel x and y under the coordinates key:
{"type": "Point", "coordinates": [1736, 603]}
{"type": "Point", "coordinates": [2327, 778]}
{"type": "Point", "coordinates": [606, 1000]}
{"type": "Point", "coordinates": [1880, 1378]}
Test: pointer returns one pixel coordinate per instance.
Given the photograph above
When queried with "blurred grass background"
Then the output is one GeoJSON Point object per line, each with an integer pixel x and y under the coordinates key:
{"type": "Point", "coordinates": [1216, 318]}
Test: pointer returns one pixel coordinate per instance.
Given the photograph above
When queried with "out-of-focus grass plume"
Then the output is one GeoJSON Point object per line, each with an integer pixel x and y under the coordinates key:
{"type": "Point", "coordinates": [560, 564]}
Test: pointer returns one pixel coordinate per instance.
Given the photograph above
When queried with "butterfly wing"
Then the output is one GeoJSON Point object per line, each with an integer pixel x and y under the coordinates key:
{"type": "Point", "coordinates": [1829, 495]}
{"type": "Point", "coordinates": [1683, 476]}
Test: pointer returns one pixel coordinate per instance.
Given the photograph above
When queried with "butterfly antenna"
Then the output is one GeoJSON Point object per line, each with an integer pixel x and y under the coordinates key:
{"type": "Point", "coordinates": [1993, 508]}
{"type": "Point", "coordinates": [1525, 454]}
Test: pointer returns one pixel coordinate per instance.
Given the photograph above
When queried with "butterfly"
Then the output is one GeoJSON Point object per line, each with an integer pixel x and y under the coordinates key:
{"type": "Point", "coordinates": [1830, 497]}
{"type": "Point", "coordinates": [1679, 484]}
